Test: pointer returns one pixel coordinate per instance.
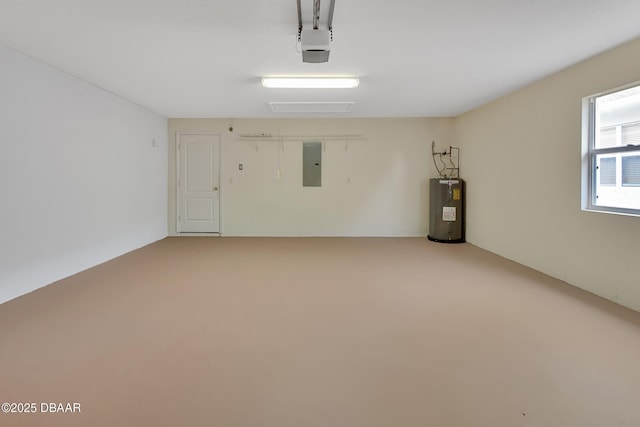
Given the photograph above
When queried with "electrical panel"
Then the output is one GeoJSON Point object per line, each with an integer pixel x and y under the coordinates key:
{"type": "Point", "coordinates": [311, 164]}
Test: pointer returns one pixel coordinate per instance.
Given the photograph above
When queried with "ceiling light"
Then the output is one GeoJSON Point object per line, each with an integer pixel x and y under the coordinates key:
{"type": "Point", "coordinates": [310, 82]}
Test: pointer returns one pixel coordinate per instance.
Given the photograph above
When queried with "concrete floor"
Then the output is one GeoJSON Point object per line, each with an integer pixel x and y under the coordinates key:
{"type": "Point", "coordinates": [317, 332]}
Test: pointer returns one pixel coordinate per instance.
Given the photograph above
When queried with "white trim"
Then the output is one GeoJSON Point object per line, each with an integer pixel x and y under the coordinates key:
{"type": "Point", "coordinates": [590, 153]}
{"type": "Point", "coordinates": [586, 180]}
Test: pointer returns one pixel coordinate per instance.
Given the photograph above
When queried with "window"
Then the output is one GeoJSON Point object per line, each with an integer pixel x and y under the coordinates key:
{"type": "Point", "coordinates": [631, 171]}
{"type": "Point", "coordinates": [607, 170]}
{"type": "Point", "coordinates": [611, 152]}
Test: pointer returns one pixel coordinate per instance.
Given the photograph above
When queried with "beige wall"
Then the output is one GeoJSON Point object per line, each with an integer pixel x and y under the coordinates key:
{"type": "Point", "coordinates": [522, 162]}
{"type": "Point", "coordinates": [373, 186]}
{"type": "Point", "coordinates": [521, 158]}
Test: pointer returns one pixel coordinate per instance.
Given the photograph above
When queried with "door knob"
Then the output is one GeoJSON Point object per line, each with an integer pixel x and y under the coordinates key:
{"type": "Point", "coordinates": [215, 188]}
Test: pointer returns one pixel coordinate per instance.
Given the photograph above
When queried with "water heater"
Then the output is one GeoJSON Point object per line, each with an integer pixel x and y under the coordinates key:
{"type": "Point", "coordinates": [446, 197]}
{"type": "Point", "coordinates": [446, 220]}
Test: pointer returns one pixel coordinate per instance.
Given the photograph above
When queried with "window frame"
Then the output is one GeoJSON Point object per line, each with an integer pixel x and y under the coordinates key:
{"type": "Point", "coordinates": [590, 155]}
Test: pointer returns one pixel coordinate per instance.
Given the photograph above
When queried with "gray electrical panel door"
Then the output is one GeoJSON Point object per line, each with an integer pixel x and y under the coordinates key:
{"type": "Point", "coordinates": [311, 164]}
{"type": "Point", "coordinates": [446, 216]}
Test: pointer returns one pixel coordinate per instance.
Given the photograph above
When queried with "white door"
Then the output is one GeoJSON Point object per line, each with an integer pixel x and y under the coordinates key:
{"type": "Point", "coordinates": [198, 183]}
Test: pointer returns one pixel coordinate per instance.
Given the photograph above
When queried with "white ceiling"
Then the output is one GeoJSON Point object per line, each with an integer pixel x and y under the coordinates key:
{"type": "Point", "coordinates": [204, 58]}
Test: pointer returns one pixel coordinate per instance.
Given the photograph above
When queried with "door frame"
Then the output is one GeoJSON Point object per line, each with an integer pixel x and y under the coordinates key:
{"type": "Point", "coordinates": [218, 167]}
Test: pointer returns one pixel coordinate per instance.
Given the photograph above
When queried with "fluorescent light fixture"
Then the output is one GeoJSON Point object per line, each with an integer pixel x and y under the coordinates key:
{"type": "Point", "coordinates": [310, 82]}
